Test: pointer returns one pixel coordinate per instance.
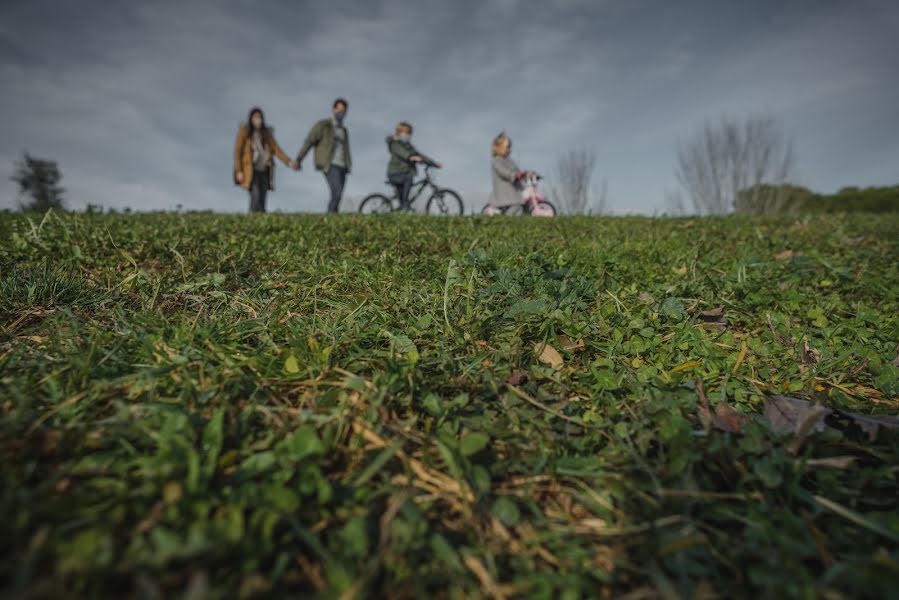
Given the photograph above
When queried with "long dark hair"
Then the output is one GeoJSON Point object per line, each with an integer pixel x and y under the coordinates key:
{"type": "Point", "coordinates": [264, 129]}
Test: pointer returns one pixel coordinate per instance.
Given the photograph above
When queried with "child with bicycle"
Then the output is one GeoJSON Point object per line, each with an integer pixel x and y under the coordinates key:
{"type": "Point", "coordinates": [404, 159]}
{"type": "Point", "coordinates": [514, 191]}
{"type": "Point", "coordinates": [507, 177]}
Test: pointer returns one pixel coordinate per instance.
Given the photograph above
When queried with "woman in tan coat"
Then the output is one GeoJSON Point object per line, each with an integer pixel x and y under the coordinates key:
{"type": "Point", "coordinates": [254, 168]}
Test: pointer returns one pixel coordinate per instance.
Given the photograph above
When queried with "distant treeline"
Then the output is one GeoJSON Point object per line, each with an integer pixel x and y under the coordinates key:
{"type": "Point", "coordinates": [792, 198]}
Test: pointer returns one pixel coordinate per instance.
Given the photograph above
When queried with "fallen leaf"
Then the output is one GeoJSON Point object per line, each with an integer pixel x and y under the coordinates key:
{"type": "Point", "coordinates": [810, 421]}
{"type": "Point", "coordinates": [785, 255]}
{"type": "Point", "coordinates": [517, 377]}
{"type": "Point", "coordinates": [712, 313]}
{"type": "Point", "coordinates": [713, 319]}
{"type": "Point", "coordinates": [646, 298]}
{"type": "Point", "coordinates": [870, 425]}
{"type": "Point", "coordinates": [549, 356]}
{"type": "Point", "coordinates": [785, 413]}
{"type": "Point", "coordinates": [569, 345]}
{"type": "Point", "coordinates": [728, 419]}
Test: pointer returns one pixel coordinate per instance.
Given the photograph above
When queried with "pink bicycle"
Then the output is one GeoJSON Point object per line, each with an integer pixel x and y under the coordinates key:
{"type": "Point", "coordinates": [534, 203]}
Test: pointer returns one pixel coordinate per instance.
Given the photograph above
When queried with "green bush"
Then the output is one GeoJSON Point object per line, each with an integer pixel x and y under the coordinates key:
{"type": "Point", "coordinates": [852, 199]}
{"type": "Point", "coordinates": [767, 198]}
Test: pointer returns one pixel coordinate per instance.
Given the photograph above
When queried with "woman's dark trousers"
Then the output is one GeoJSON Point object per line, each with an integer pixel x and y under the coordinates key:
{"type": "Point", "coordinates": [258, 191]}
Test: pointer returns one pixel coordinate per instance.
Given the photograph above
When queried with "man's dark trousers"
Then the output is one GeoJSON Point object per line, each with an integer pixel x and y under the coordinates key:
{"type": "Point", "coordinates": [336, 177]}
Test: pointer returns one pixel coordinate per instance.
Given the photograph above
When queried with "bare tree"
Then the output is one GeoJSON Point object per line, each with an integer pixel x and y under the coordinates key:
{"type": "Point", "coordinates": [38, 180]}
{"type": "Point", "coordinates": [573, 172]}
{"type": "Point", "coordinates": [731, 155]}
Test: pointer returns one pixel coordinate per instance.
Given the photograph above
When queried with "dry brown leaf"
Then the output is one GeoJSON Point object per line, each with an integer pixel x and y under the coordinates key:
{"type": "Point", "coordinates": [569, 345]}
{"type": "Point", "coordinates": [712, 313]}
{"type": "Point", "coordinates": [810, 421]}
{"type": "Point", "coordinates": [550, 356]}
{"type": "Point", "coordinates": [785, 255]}
{"type": "Point", "coordinates": [517, 377]}
{"type": "Point", "coordinates": [785, 413]}
{"type": "Point", "coordinates": [728, 419]}
{"type": "Point", "coordinates": [871, 425]}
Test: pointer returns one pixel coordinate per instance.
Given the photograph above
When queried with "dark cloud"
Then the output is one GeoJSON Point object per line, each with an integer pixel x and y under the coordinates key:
{"type": "Point", "coordinates": [139, 101]}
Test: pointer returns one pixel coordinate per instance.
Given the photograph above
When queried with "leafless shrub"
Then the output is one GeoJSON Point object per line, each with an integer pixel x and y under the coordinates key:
{"type": "Point", "coordinates": [728, 156]}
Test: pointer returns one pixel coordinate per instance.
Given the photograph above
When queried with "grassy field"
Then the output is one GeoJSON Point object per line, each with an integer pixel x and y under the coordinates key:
{"type": "Point", "coordinates": [238, 406]}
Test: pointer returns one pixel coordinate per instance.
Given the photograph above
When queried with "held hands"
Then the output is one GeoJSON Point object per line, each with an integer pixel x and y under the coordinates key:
{"type": "Point", "coordinates": [295, 165]}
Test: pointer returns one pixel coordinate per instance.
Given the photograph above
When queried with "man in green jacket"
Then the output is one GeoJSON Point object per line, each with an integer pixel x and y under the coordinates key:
{"type": "Point", "coordinates": [404, 159]}
{"type": "Point", "coordinates": [332, 151]}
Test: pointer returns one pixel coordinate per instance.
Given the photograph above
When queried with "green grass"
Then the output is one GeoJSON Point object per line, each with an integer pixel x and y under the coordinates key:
{"type": "Point", "coordinates": [412, 407]}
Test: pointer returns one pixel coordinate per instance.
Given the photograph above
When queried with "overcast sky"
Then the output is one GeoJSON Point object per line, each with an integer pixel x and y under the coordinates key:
{"type": "Point", "coordinates": [139, 102]}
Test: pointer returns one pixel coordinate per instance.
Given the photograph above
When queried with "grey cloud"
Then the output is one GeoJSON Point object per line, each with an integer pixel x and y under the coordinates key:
{"type": "Point", "coordinates": [139, 102]}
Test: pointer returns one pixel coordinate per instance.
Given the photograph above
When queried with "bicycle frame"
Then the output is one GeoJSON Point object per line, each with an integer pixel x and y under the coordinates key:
{"type": "Point", "coordinates": [418, 187]}
{"type": "Point", "coordinates": [532, 201]}
{"type": "Point", "coordinates": [438, 201]}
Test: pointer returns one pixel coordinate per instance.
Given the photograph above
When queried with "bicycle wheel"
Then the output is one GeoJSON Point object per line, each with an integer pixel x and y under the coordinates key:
{"type": "Point", "coordinates": [544, 209]}
{"type": "Point", "coordinates": [376, 204]}
{"type": "Point", "coordinates": [445, 203]}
